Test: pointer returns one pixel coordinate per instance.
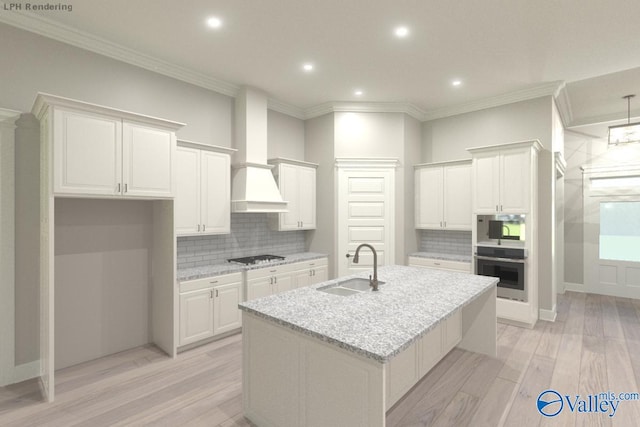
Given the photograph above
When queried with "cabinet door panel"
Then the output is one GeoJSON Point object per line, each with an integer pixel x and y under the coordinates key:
{"type": "Point", "coordinates": [302, 278]}
{"type": "Point", "coordinates": [87, 153]}
{"type": "Point", "coordinates": [430, 349]}
{"type": "Point", "coordinates": [216, 196]}
{"type": "Point", "coordinates": [148, 161]}
{"type": "Point", "coordinates": [320, 274]}
{"type": "Point", "coordinates": [283, 283]}
{"type": "Point", "coordinates": [196, 316]}
{"type": "Point", "coordinates": [288, 185]}
{"type": "Point", "coordinates": [515, 180]}
{"type": "Point", "coordinates": [307, 197]}
{"type": "Point", "coordinates": [187, 203]}
{"type": "Point", "coordinates": [457, 197]}
{"type": "Point", "coordinates": [486, 180]}
{"type": "Point", "coordinates": [226, 314]}
{"type": "Point", "coordinates": [429, 198]}
{"type": "Point", "coordinates": [258, 288]}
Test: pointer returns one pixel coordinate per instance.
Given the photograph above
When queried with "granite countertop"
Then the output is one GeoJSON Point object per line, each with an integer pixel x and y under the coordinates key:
{"type": "Point", "coordinates": [377, 325]}
{"type": "Point", "coordinates": [227, 268]}
{"type": "Point", "coordinates": [442, 256]}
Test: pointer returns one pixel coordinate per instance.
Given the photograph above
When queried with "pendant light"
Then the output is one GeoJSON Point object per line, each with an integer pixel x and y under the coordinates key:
{"type": "Point", "coordinates": [624, 134]}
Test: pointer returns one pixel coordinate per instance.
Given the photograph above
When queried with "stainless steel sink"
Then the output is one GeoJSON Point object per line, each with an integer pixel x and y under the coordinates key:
{"type": "Point", "coordinates": [357, 284]}
{"type": "Point", "coordinates": [348, 287]}
{"type": "Point", "coordinates": [340, 291]}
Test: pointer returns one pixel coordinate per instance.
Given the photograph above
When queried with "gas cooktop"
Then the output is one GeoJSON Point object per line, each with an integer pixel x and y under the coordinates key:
{"type": "Point", "coordinates": [257, 259]}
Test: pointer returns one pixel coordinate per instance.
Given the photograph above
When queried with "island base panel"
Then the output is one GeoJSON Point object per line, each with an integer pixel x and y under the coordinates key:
{"type": "Point", "coordinates": [290, 379]}
{"type": "Point", "coordinates": [479, 325]}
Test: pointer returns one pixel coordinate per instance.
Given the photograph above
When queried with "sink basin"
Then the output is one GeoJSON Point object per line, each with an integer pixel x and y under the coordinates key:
{"type": "Point", "coordinates": [340, 291]}
{"type": "Point", "coordinates": [358, 284]}
{"type": "Point", "coordinates": [348, 287]}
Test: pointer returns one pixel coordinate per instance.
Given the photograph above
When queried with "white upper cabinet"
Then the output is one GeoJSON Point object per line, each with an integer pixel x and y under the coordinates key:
{"type": "Point", "coordinates": [297, 184]}
{"type": "Point", "coordinates": [100, 151]}
{"type": "Point", "coordinates": [203, 193]}
{"type": "Point", "coordinates": [148, 160]}
{"type": "Point", "coordinates": [502, 177]}
{"type": "Point", "coordinates": [443, 195]}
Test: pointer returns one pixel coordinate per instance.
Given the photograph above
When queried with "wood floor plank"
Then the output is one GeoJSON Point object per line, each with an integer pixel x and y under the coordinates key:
{"type": "Point", "coordinates": [566, 375]}
{"type": "Point", "coordinates": [593, 378]}
{"type": "Point", "coordinates": [550, 339]}
{"type": "Point", "coordinates": [610, 318]}
{"type": "Point", "coordinates": [575, 319]}
{"type": "Point", "coordinates": [459, 411]}
{"type": "Point", "coordinates": [537, 378]}
{"type": "Point", "coordinates": [593, 323]}
{"type": "Point", "coordinates": [493, 404]}
{"type": "Point", "coordinates": [517, 361]}
{"type": "Point", "coordinates": [562, 307]}
{"type": "Point", "coordinates": [621, 379]}
{"type": "Point", "coordinates": [628, 319]}
{"type": "Point", "coordinates": [486, 372]}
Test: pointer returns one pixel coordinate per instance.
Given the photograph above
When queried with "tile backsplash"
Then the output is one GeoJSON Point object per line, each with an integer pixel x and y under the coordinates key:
{"type": "Point", "coordinates": [250, 235]}
{"type": "Point", "coordinates": [446, 242]}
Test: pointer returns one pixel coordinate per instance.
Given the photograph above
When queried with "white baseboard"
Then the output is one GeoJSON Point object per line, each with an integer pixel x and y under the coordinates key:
{"type": "Point", "coordinates": [574, 287]}
{"type": "Point", "coordinates": [548, 315]}
{"type": "Point", "coordinates": [26, 371]}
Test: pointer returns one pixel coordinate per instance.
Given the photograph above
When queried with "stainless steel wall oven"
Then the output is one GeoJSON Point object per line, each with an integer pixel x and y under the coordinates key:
{"type": "Point", "coordinates": [508, 265]}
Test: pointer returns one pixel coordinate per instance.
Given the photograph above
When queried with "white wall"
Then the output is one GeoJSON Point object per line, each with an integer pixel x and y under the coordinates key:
{"type": "Point", "coordinates": [7, 249]}
{"type": "Point", "coordinates": [102, 270]}
{"type": "Point", "coordinates": [369, 134]}
{"type": "Point", "coordinates": [37, 64]}
{"type": "Point", "coordinates": [448, 138]}
{"type": "Point", "coordinates": [412, 153]}
{"type": "Point", "coordinates": [285, 136]}
{"type": "Point", "coordinates": [319, 135]}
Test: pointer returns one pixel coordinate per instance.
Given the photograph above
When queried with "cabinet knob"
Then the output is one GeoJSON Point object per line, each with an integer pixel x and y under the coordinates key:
{"type": "Point", "coordinates": [216, 293]}
{"type": "Point", "coordinates": [204, 227]}
{"type": "Point", "coordinates": [198, 227]}
{"type": "Point", "coordinates": [119, 187]}
{"type": "Point", "coordinates": [126, 187]}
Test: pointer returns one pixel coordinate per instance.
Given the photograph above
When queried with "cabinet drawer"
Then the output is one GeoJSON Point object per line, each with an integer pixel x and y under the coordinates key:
{"type": "Point", "coordinates": [305, 265]}
{"type": "Point", "coordinates": [440, 264]}
{"type": "Point", "coordinates": [210, 282]}
{"type": "Point", "coordinates": [270, 271]}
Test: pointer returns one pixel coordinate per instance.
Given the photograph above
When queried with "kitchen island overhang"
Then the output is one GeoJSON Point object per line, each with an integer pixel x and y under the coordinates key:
{"type": "Point", "coordinates": [313, 358]}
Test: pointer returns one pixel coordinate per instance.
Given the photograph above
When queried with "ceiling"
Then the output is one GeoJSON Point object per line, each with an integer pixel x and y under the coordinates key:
{"type": "Point", "coordinates": [495, 47]}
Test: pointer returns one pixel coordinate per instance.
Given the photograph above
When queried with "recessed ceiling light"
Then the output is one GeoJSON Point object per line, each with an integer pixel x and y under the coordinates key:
{"type": "Point", "coordinates": [358, 93]}
{"type": "Point", "coordinates": [456, 82]}
{"type": "Point", "coordinates": [214, 22]}
{"type": "Point", "coordinates": [401, 32]}
{"type": "Point", "coordinates": [307, 67]}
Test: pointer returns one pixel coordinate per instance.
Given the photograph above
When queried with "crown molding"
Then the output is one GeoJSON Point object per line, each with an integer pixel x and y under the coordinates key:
{"type": "Point", "coordinates": [605, 118]}
{"type": "Point", "coordinates": [63, 33]}
{"type": "Point", "coordinates": [365, 107]}
{"type": "Point", "coordinates": [563, 104]}
{"type": "Point", "coordinates": [286, 108]}
{"type": "Point", "coordinates": [8, 118]}
{"type": "Point", "coordinates": [547, 89]}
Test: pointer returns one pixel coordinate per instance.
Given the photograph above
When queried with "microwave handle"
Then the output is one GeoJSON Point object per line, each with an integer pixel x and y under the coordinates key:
{"type": "Point", "coordinates": [488, 258]}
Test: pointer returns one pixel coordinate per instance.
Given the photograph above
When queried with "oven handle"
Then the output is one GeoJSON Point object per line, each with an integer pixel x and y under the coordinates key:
{"type": "Point", "coordinates": [488, 258]}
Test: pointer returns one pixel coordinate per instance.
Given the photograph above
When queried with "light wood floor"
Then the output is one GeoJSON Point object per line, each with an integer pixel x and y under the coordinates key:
{"type": "Point", "coordinates": [594, 346]}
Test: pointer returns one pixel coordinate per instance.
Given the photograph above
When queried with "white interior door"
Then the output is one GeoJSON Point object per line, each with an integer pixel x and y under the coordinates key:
{"type": "Point", "coordinates": [365, 215]}
{"type": "Point", "coordinates": [612, 231]}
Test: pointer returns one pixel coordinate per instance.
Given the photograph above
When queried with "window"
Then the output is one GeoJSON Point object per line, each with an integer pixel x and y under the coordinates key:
{"type": "Point", "coordinates": [620, 231]}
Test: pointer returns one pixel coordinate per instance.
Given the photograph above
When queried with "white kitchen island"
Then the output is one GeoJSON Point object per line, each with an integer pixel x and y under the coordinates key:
{"type": "Point", "coordinates": [312, 358]}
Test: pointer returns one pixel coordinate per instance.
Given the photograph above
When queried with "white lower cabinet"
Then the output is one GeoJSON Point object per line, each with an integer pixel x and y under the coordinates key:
{"type": "Point", "coordinates": [196, 316]}
{"type": "Point", "coordinates": [440, 264]}
{"type": "Point", "coordinates": [407, 368]}
{"type": "Point", "coordinates": [267, 281]}
{"type": "Point", "coordinates": [310, 273]}
{"type": "Point", "coordinates": [209, 307]}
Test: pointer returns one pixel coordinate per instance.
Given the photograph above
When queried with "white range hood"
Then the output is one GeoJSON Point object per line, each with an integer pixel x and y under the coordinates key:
{"type": "Point", "coordinates": [253, 188]}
